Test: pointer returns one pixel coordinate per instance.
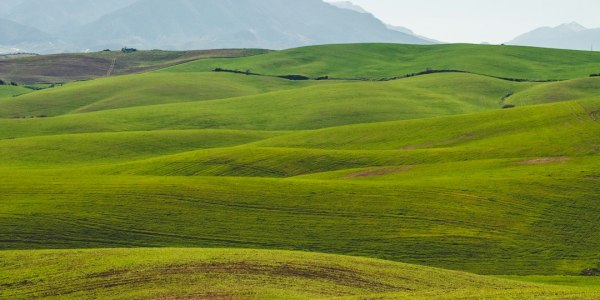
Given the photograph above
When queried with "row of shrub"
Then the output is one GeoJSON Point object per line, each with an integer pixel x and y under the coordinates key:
{"type": "Point", "coordinates": [595, 75]}
{"type": "Point", "coordinates": [426, 72]}
{"type": "Point", "coordinates": [432, 71]}
{"type": "Point", "coordinates": [288, 77]}
{"type": "Point", "coordinates": [247, 72]}
{"type": "Point", "coordinates": [2, 82]}
{"type": "Point", "coordinates": [30, 117]}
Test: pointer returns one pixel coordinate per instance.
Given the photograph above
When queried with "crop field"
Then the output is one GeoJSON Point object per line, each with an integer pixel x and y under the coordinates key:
{"type": "Point", "coordinates": [61, 68]}
{"type": "Point", "coordinates": [184, 183]}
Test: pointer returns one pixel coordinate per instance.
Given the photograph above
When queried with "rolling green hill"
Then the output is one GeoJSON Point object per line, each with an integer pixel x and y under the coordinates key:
{"type": "Point", "coordinates": [247, 274]}
{"type": "Point", "coordinates": [558, 130]}
{"type": "Point", "coordinates": [432, 170]}
{"type": "Point", "coordinates": [501, 226]}
{"type": "Point", "coordinates": [322, 105]}
{"type": "Point", "coordinates": [8, 91]}
{"type": "Point", "coordinates": [390, 60]}
{"type": "Point", "coordinates": [71, 149]}
{"type": "Point", "coordinates": [139, 90]}
{"type": "Point", "coordinates": [558, 91]}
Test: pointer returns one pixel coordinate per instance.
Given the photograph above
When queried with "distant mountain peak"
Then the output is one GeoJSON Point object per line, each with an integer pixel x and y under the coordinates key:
{"type": "Point", "coordinates": [196, 24]}
{"type": "Point", "coordinates": [565, 36]}
{"type": "Point", "coordinates": [400, 28]}
{"type": "Point", "coordinates": [349, 5]}
{"type": "Point", "coordinates": [573, 26]}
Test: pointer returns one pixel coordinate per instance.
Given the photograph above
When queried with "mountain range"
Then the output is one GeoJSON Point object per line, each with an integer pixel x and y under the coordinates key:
{"type": "Point", "coordinates": [14, 33]}
{"type": "Point", "coordinates": [566, 36]}
{"type": "Point", "coordinates": [49, 26]}
{"type": "Point", "coordinates": [54, 26]}
{"type": "Point", "coordinates": [351, 6]}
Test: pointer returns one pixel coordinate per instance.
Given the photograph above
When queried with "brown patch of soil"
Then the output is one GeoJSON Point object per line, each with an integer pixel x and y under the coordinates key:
{"type": "Point", "coordinates": [212, 296]}
{"type": "Point", "coordinates": [544, 160]}
{"type": "Point", "coordinates": [16, 284]}
{"type": "Point", "coordinates": [108, 273]}
{"type": "Point", "coordinates": [120, 278]}
{"type": "Point", "coordinates": [339, 275]}
{"type": "Point", "coordinates": [53, 68]}
{"type": "Point", "coordinates": [380, 172]}
{"type": "Point", "coordinates": [60, 68]}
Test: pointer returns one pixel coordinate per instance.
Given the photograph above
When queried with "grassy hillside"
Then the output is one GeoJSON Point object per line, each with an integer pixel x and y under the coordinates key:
{"type": "Point", "coordinates": [389, 60]}
{"type": "Point", "coordinates": [313, 107]}
{"type": "Point", "coordinates": [535, 129]}
{"type": "Point", "coordinates": [558, 91]}
{"type": "Point", "coordinates": [431, 170]}
{"type": "Point", "coordinates": [557, 130]}
{"type": "Point", "coordinates": [8, 91]}
{"type": "Point", "coordinates": [139, 90]}
{"type": "Point", "coordinates": [492, 226]}
{"type": "Point", "coordinates": [105, 148]}
{"type": "Point", "coordinates": [450, 193]}
{"type": "Point", "coordinates": [247, 274]}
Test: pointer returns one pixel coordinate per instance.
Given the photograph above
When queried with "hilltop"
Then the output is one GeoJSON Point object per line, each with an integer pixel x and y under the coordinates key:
{"type": "Point", "coordinates": [386, 61]}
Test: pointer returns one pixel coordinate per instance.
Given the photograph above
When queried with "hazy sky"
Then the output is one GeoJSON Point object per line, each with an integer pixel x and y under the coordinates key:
{"type": "Point", "coordinates": [475, 21]}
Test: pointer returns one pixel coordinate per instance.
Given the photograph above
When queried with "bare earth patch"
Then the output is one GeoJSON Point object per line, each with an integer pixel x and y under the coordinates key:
{"type": "Point", "coordinates": [380, 172]}
{"type": "Point", "coordinates": [338, 275]}
{"type": "Point", "coordinates": [211, 296]}
{"type": "Point", "coordinates": [334, 274]}
{"type": "Point", "coordinates": [544, 160]}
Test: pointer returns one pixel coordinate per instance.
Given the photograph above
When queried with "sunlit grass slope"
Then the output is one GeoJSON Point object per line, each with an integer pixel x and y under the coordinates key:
{"type": "Point", "coordinates": [556, 130]}
{"type": "Point", "coordinates": [481, 192]}
{"type": "Point", "coordinates": [245, 274]}
{"type": "Point", "coordinates": [503, 217]}
{"type": "Point", "coordinates": [305, 108]}
{"type": "Point", "coordinates": [388, 60]}
{"type": "Point", "coordinates": [558, 91]}
{"type": "Point", "coordinates": [9, 91]}
{"type": "Point", "coordinates": [94, 148]}
{"type": "Point", "coordinates": [139, 90]}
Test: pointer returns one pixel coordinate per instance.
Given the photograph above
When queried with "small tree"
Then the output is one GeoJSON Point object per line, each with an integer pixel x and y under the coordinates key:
{"type": "Point", "coordinates": [128, 50]}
